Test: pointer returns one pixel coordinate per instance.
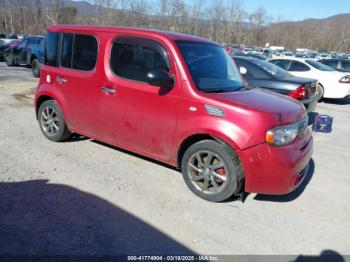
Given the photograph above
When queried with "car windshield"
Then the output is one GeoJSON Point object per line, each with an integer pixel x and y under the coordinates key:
{"type": "Point", "coordinates": [211, 67]}
{"type": "Point", "coordinates": [319, 65]}
{"type": "Point", "coordinates": [272, 69]}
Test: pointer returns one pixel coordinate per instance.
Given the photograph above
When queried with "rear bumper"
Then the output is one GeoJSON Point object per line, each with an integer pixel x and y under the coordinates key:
{"type": "Point", "coordinates": [341, 90]}
{"type": "Point", "coordinates": [277, 170]}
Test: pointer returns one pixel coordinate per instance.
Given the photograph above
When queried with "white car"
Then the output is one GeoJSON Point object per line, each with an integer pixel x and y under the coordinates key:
{"type": "Point", "coordinates": [331, 83]}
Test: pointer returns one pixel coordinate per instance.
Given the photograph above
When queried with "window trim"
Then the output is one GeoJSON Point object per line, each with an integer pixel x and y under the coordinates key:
{"type": "Point", "coordinates": [60, 51]}
{"type": "Point", "coordinates": [61, 48]}
{"type": "Point", "coordinates": [133, 37]}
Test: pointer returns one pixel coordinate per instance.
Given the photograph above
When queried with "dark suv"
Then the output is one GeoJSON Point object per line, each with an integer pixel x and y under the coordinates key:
{"type": "Point", "coordinates": [21, 53]}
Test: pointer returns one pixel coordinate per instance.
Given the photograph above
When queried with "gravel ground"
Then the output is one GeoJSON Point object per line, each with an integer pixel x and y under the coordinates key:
{"type": "Point", "coordinates": [84, 197]}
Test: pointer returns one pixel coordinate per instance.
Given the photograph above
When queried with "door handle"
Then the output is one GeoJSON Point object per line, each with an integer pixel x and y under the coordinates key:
{"type": "Point", "coordinates": [108, 90]}
{"type": "Point", "coordinates": [61, 80]}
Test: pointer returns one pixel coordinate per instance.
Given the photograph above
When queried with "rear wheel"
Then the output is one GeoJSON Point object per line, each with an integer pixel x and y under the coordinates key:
{"type": "Point", "coordinates": [51, 121]}
{"type": "Point", "coordinates": [211, 171]}
{"type": "Point", "coordinates": [320, 92]}
{"type": "Point", "coordinates": [35, 68]}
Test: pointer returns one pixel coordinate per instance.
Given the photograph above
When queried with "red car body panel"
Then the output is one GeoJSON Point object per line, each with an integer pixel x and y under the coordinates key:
{"type": "Point", "coordinates": [139, 118]}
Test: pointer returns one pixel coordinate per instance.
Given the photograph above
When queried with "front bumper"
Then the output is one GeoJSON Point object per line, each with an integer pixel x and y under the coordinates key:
{"type": "Point", "coordinates": [277, 170]}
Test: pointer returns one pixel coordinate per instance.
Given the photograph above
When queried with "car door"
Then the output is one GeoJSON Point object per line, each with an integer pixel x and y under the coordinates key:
{"type": "Point", "coordinates": [20, 52]}
{"type": "Point", "coordinates": [79, 81]}
{"type": "Point", "coordinates": [133, 113]}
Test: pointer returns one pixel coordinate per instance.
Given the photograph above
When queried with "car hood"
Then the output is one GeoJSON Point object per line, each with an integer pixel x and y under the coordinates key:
{"type": "Point", "coordinates": [281, 109]}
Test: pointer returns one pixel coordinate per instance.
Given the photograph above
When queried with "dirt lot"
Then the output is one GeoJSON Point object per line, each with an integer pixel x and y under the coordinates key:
{"type": "Point", "coordinates": [84, 197]}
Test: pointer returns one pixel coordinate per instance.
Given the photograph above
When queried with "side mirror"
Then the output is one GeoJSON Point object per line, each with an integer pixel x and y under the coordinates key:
{"type": "Point", "coordinates": [160, 78]}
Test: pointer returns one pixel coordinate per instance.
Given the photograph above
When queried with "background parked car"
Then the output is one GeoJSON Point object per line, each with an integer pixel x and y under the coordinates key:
{"type": "Point", "coordinates": [342, 65]}
{"type": "Point", "coordinates": [20, 53]}
{"type": "Point", "coordinates": [331, 83]}
{"type": "Point", "coordinates": [3, 46]}
{"type": "Point", "coordinates": [13, 36]}
{"type": "Point", "coordinates": [259, 73]}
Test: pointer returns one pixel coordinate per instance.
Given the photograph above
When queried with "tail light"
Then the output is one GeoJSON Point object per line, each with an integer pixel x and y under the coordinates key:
{"type": "Point", "coordinates": [298, 93]}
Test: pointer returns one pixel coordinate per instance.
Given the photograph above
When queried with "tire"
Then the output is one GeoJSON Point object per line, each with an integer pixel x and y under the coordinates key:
{"type": "Point", "coordinates": [9, 59]}
{"type": "Point", "coordinates": [320, 92]}
{"type": "Point", "coordinates": [198, 173]}
{"type": "Point", "coordinates": [51, 121]}
{"type": "Point", "coordinates": [35, 68]}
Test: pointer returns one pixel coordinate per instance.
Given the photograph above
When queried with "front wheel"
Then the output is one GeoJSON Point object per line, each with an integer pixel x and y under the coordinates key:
{"type": "Point", "coordinates": [211, 171]}
{"type": "Point", "coordinates": [51, 121]}
{"type": "Point", "coordinates": [10, 60]}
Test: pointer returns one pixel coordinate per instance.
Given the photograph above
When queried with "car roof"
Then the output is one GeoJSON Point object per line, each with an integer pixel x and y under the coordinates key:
{"type": "Point", "coordinates": [335, 59]}
{"type": "Point", "coordinates": [139, 31]}
{"type": "Point", "coordinates": [300, 59]}
{"type": "Point", "coordinates": [248, 58]}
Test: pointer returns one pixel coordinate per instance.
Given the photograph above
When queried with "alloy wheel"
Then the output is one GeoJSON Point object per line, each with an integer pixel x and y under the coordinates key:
{"type": "Point", "coordinates": [49, 121]}
{"type": "Point", "coordinates": [207, 172]}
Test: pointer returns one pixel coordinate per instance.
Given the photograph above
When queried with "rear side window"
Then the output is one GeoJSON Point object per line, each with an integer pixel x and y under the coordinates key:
{"type": "Point", "coordinates": [51, 49]}
{"type": "Point", "coordinates": [133, 58]}
{"type": "Point", "coordinates": [84, 52]}
{"type": "Point", "coordinates": [331, 63]}
{"type": "Point", "coordinates": [298, 67]}
{"type": "Point", "coordinates": [251, 71]}
{"type": "Point", "coordinates": [78, 52]}
{"type": "Point", "coordinates": [281, 63]}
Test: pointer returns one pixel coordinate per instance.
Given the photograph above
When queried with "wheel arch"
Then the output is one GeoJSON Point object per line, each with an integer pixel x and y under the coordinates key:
{"type": "Point", "coordinates": [194, 138]}
{"type": "Point", "coordinates": [32, 57]}
{"type": "Point", "coordinates": [41, 99]}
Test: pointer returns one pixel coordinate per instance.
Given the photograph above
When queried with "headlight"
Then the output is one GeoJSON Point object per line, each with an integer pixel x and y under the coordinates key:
{"type": "Point", "coordinates": [345, 79]}
{"type": "Point", "coordinates": [284, 135]}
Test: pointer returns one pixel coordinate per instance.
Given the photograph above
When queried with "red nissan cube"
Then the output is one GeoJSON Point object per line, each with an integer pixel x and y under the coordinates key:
{"type": "Point", "coordinates": [175, 98]}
